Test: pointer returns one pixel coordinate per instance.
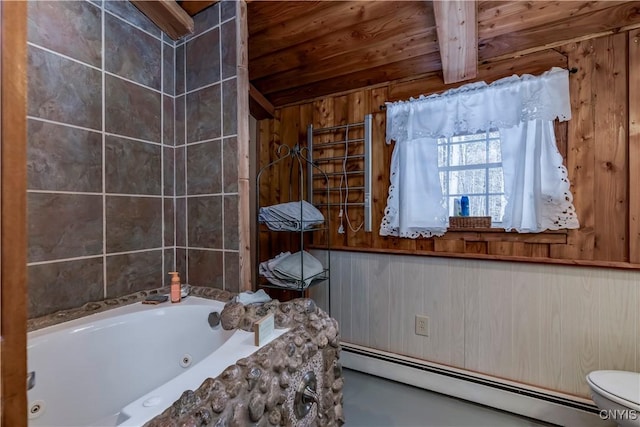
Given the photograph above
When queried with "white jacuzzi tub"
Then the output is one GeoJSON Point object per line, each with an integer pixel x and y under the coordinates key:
{"type": "Point", "coordinates": [126, 365]}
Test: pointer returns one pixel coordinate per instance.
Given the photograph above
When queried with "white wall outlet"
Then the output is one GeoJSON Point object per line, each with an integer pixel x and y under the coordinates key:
{"type": "Point", "coordinates": [422, 325]}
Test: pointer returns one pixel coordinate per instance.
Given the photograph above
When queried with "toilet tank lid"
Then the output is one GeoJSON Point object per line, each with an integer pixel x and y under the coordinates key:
{"type": "Point", "coordinates": [625, 385]}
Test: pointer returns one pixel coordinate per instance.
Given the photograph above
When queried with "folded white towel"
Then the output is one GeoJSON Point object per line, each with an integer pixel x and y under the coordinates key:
{"type": "Point", "coordinates": [253, 297]}
{"type": "Point", "coordinates": [291, 270]}
{"type": "Point", "coordinates": [291, 216]}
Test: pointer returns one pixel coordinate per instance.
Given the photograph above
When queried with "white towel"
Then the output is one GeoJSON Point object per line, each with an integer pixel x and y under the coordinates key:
{"type": "Point", "coordinates": [253, 297]}
{"type": "Point", "coordinates": [291, 270]}
{"type": "Point", "coordinates": [291, 216]}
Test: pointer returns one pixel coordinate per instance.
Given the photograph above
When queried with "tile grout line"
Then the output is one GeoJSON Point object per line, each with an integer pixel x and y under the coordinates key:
{"type": "Point", "coordinates": [224, 260]}
{"type": "Point", "coordinates": [104, 166]}
{"type": "Point", "coordinates": [175, 199]}
{"type": "Point", "coordinates": [162, 186]}
{"type": "Point", "coordinates": [186, 191]}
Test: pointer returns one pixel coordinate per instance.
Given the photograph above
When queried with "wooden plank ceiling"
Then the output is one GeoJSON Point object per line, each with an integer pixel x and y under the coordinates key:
{"type": "Point", "coordinates": [301, 50]}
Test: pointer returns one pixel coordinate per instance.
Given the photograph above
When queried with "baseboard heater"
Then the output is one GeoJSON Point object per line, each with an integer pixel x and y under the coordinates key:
{"type": "Point", "coordinates": [540, 404]}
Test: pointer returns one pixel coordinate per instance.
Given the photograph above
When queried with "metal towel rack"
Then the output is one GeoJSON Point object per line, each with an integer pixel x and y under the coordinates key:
{"type": "Point", "coordinates": [364, 153]}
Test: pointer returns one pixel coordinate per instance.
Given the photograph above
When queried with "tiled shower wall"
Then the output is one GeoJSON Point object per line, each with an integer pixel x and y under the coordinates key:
{"type": "Point", "coordinates": [105, 128]}
{"type": "Point", "coordinates": [206, 151]}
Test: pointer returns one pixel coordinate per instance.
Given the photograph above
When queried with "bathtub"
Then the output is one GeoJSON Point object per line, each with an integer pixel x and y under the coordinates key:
{"type": "Point", "coordinates": [124, 366]}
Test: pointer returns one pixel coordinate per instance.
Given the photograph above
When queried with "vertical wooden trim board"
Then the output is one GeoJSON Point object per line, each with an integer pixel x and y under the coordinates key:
{"type": "Point", "coordinates": [634, 145]}
{"type": "Point", "coordinates": [244, 182]}
{"type": "Point", "coordinates": [13, 231]}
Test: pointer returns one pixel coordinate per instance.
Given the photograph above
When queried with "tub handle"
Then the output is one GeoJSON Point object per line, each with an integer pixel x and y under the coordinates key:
{"type": "Point", "coordinates": [307, 396]}
{"type": "Point", "coordinates": [31, 380]}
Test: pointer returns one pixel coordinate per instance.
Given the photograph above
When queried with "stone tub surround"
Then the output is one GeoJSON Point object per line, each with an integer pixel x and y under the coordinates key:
{"type": "Point", "coordinates": [260, 389]}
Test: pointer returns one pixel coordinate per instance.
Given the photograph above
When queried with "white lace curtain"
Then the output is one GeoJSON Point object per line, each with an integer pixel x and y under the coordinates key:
{"type": "Point", "coordinates": [522, 108]}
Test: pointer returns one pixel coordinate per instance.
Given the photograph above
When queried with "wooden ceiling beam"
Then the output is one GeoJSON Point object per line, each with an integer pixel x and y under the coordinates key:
{"type": "Point", "coordinates": [259, 106]}
{"type": "Point", "coordinates": [457, 27]}
{"type": "Point", "coordinates": [168, 16]}
{"type": "Point", "coordinates": [193, 7]}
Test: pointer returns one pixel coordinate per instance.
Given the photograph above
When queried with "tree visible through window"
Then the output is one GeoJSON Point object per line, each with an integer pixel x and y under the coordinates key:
{"type": "Point", "coordinates": [471, 165]}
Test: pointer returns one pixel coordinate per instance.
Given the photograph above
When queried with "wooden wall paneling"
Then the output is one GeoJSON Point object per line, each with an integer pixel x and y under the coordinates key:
{"type": "Point", "coordinates": [265, 149]}
{"type": "Point", "coordinates": [396, 284]}
{"type": "Point", "coordinates": [580, 156]}
{"type": "Point", "coordinates": [379, 291]}
{"type": "Point", "coordinates": [505, 248]}
{"type": "Point", "coordinates": [322, 116]}
{"type": "Point", "coordinates": [551, 335]}
{"type": "Point", "coordinates": [498, 18]}
{"type": "Point", "coordinates": [448, 245]}
{"type": "Point", "coordinates": [610, 150]}
{"type": "Point", "coordinates": [289, 170]}
{"type": "Point", "coordinates": [496, 314]}
{"type": "Point", "coordinates": [552, 33]}
{"type": "Point", "coordinates": [526, 303]}
{"type": "Point", "coordinates": [634, 144]}
{"type": "Point", "coordinates": [536, 250]}
{"type": "Point", "coordinates": [341, 109]}
{"type": "Point", "coordinates": [425, 245]}
{"type": "Point", "coordinates": [475, 247]}
{"type": "Point", "coordinates": [361, 267]}
{"type": "Point", "coordinates": [359, 105]}
{"type": "Point", "coordinates": [413, 276]}
{"type": "Point", "coordinates": [13, 207]}
{"type": "Point", "coordinates": [579, 354]}
{"type": "Point", "coordinates": [561, 130]}
{"type": "Point", "coordinates": [617, 293]}
{"type": "Point", "coordinates": [380, 164]}
{"type": "Point", "coordinates": [534, 63]}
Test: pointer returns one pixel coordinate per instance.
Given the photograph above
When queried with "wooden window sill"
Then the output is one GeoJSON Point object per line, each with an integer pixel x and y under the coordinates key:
{"type": "Point", "coordinates": [500, 234]}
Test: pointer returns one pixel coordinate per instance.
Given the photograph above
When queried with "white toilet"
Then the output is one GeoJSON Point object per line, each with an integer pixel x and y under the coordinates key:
{"type": "Point", "coordinates": [617, 394]}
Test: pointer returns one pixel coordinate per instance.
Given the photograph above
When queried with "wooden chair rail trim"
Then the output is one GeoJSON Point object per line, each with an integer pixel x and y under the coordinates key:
{"type": "Point", "coordinates": [505, 258]}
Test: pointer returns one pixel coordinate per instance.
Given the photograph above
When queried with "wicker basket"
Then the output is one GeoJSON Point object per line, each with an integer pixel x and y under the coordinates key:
{"type": "Point", "coordinates": [469, 222]}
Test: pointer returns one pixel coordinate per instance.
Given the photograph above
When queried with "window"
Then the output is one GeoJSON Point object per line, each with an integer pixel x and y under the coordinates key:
{"type": "Point", "coordinates": [471, 165]}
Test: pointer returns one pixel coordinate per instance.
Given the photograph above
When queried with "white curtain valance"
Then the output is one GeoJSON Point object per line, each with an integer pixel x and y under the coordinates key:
{"type": "Point", "coordinates": [536, 184]}
{"type": "Point", "coordinates": [480, 106]}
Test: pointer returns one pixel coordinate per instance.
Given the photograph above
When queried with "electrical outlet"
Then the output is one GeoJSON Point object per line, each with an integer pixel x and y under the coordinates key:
{"type": "Point", "coordinates": [422, 325]}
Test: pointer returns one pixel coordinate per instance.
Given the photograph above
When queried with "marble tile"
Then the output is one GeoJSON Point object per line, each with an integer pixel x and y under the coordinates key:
{"type": "Point", "coordinates": [232, 272]}
{"type": "Point", "coordinates": [132, 167]}
{"type": "Point", "coordinates": [203, 114]}
{"type": "Point", "coordinates": [169, 218]}
{"type": "Point", "coordinates": [180, 71]}
{"type": "Point", "coordinates": [127, 11]}
{"type": "Point", "coordinates": [208, 18]}
{"type": "Point", "coordinates": [204, 166]}
{"type": "Point", "coordinates": [168, 164]}
{"type": "Point", "coordinates": [204, 222]}
{"type": "Point", "coordinates": [227, 9]}
{"type": "Point", "coordinates": [63, 225]}
{"type": "Point", "coordinates": [180, 181]}
{"type": "Point", "coordinates": [131, 110]}
{"type": "Point", "coordinates": [206, 268]}
{"type": "Point", "coordinates": [168, 69]}
{"type": "Point", "coordinates": [230, 165]}
{"type": "Point", "coordinates": [230, 107]}
{"type": "Point", "coordinates": [63, 90]}
{"type": "Point", "coordinates": [231, 236]}
{"type": "Point", "coordinates": [203, 60]}
{"type": "Point", "coordinates": [132, 53]}
{"type": "Point", "coordinates": [62, 158]}
{"type": "Point", "coordinates": [168, 121]}
{"type": "Point", "coordinates": [181, 221]}
{"type": "Point", "coordinates": [63, 285]}
{"type": "Point", "coordinates": [180, 120]}
{"type": "Point", "coordinates": [133, 223]}
{"type": "Point", "coordinates": [128, 273]}
{"type": "Point", "coordinates": [72, 28]}
{"type": "Point", "coordinates": [228, 49]}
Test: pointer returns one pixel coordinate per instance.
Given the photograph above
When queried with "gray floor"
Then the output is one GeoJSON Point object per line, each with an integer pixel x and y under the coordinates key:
{"type": "Point", "coordinates": [371, 401]}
